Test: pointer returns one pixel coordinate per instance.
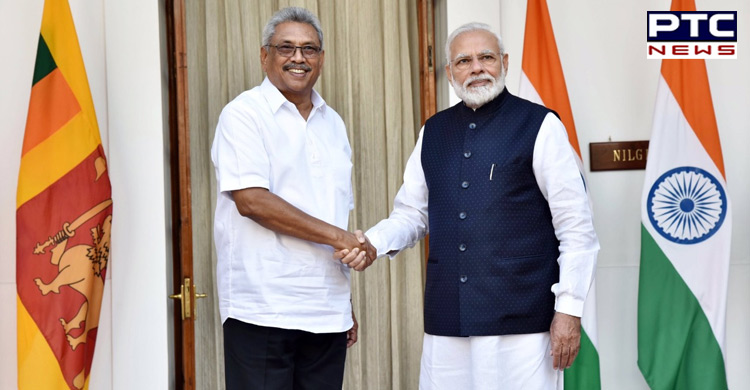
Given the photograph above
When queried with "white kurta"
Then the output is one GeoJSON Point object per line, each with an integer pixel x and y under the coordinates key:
{"type": "Point", "coordinates": [510, 361]}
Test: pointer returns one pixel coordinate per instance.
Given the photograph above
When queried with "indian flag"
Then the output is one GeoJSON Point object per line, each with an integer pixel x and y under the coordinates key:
{"type": "Point", "coordinates": [686, 229]}
{"type": "Point", "coordinates": [63, 216]}
{"type": "Point", "coordinates": [542, 82]}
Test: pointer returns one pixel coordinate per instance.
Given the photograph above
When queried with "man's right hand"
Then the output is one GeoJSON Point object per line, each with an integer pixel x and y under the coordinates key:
{"type": "Point", "coordinates": [359, 257]}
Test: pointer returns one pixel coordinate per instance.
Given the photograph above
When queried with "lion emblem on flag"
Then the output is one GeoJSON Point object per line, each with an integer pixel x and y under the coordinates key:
{"type": "Point", "coordinates": [81, 268]}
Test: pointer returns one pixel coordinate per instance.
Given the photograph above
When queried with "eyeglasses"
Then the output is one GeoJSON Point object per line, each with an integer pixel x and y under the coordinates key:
{"type": "Point", "coordinates": [485, 59]}
{"type": "Point", "coordinates": [287, 50]}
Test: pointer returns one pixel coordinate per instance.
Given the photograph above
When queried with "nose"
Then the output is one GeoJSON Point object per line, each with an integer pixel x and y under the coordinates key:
{"type": "Point", "coordinates": [476, 66]}
{"type": "Point", "coordinates": [297, 55]}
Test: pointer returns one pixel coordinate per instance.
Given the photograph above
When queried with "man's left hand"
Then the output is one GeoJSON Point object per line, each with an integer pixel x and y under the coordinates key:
{"type": "Point", "coordinates": [351, 334]}
{"type": "Point", "coordinates": [565, 340]}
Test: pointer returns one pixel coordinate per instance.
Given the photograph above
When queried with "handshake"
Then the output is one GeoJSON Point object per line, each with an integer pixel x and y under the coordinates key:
{"type": "Point", "coordinates": [356, 251]}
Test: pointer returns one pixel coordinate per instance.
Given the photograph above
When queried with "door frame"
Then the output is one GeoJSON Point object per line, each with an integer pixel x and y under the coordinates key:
{"type": "Point", "coordinates": [182, 238]}
{"type": "Point", "coordinates": [427, 63]}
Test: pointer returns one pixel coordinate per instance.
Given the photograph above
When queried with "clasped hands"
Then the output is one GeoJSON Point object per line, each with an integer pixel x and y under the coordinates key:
{"type": "Point", "coordinates": [356, 251]}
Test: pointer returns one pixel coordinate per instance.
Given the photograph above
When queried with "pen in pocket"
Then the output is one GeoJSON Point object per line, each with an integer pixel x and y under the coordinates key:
{"type": "Point", "coordinates": [492, 170]}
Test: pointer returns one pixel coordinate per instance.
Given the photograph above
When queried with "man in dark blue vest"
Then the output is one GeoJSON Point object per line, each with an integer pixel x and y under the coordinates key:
{"type": "Point", "coordinates": [512, 244]}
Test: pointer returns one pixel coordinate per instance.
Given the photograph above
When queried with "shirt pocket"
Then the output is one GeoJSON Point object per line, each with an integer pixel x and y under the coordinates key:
{"type": "Point", "coordinates": [336, 172]}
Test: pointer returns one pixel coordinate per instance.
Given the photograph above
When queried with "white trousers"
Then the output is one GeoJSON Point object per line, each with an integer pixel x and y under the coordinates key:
{"type": "Point", "coordinates": [511, 362]}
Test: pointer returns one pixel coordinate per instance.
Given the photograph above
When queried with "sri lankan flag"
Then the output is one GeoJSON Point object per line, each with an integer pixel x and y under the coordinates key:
{"type": "Point", "coordinates": [63, 216]}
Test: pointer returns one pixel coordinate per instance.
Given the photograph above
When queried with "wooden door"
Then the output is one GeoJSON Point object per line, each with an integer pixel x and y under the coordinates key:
{"type": "Point", "coordinates": [198, 345]}
{"type": "Point", "coordinates": [184, 294]}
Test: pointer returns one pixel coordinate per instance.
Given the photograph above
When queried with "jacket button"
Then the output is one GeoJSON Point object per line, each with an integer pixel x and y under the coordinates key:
{"type": "Point", "coordinates": [462, 248]}
{"type": "Point", "coordinates": [467, 154]}
{"type": "Point", "coordinates": [462, 215]}
{"type": "Point", "coordinates": [463, 278]}
{"type": "Point", "coordinates": [472, 126]}
{"type": "Point", "coordinates": [465, 184]}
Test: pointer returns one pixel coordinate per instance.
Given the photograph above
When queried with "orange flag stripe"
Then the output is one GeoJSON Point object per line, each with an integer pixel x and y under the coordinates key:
{"type": "Point", "coordinates": [688, 81]}
{"type": "Point", "coordinates": [545, 72]}
{"type": "Point", "coordinates": [60, 35]}
{"type": "Point", "coordinates": [51, 105]}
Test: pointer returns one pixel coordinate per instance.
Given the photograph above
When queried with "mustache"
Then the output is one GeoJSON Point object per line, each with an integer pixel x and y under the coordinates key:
{"type": "Point", "coordinates": [478, 78]}
{"type": "Point", "coordinates": [304, 67]}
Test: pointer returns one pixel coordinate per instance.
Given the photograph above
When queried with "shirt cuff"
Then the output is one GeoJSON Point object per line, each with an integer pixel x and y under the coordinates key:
{"type": "Point", "coordinates": [566, 303]}
{"type": "Point", "coordinates": [234, 184]}
{"type": "Point", "coordinates": [379, 243]}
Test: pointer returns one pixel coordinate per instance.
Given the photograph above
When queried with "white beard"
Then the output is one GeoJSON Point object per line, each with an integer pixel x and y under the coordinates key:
{"type": "Point", "coordinates": [475, 97]}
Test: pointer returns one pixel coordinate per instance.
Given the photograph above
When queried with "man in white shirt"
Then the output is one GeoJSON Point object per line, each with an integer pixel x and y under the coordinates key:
{"type": "Point", "coordinates": [512, 244]}
{"type": "Point", "coordinates": [283, 169]}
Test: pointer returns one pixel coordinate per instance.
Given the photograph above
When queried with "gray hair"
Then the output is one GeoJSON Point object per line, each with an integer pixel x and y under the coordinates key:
{"type": "Point", "coordinates": [469, 27]}
{"type": "Point", "coordinates": [291, 14]}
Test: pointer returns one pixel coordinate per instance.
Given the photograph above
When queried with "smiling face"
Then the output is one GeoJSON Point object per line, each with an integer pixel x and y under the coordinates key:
{"type": "Point", "coordinates": [294, 76]}
{"type": "Point", "coordinates": [479, 82]}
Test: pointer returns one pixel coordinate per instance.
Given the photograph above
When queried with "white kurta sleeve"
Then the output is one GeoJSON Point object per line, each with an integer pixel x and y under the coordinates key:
{"type": "Point", "coordinates": [562, 184]}
{"type": "Point", "coordinates": [238, 151]}
{"type": "Point", "coordinates": [408, 222]}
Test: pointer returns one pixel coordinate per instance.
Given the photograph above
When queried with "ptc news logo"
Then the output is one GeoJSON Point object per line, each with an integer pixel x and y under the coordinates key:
{"type": "Point", "coordinates": [692, 34]}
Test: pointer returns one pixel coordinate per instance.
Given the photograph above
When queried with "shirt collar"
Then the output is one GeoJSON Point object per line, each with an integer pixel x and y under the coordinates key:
{"type": "Point", "coordinates": [318, 102]}
{"type": "Point", "coordinates": [275, 99]}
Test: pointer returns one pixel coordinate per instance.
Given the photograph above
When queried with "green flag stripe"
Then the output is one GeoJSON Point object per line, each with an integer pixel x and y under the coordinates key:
{"type": "Point", "coordinates": [44, 61]}
{"type": "Point", "coordinates": [584, 373]}
{"type": "Point", "coordinates": [676, 347]}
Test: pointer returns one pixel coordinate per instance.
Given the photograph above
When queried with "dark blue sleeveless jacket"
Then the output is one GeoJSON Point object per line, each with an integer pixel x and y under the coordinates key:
{"type": "Point", "coordinates": [493, 251]}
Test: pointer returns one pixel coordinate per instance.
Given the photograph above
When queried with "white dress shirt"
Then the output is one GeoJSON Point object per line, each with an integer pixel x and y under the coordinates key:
{"type": "Point", "coordinates": [263, 277]}
{"type": "Point", "coordinates": [559, 180]}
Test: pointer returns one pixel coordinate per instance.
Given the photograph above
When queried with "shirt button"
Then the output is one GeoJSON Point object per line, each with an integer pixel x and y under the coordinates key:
{"type": "Point", "coordinates": [462, 215]}
{"type": "Point", "coordinates": [465, 184]}
{"type": "Point", "coordinates": [462, 247]}
{"type": "Point", "coordinates": [463, 278]}
{"type": "Point", "coordinates": [467, 154]}
{"type": "Point", "coordinates": [472, 126]}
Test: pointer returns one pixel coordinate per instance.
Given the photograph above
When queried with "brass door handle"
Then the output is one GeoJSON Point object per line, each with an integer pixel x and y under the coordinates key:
{"type": "Point", "coordinates": [187, 299]}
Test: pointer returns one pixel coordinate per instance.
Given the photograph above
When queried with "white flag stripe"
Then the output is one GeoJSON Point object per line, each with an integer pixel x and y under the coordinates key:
{"type": "Point", "coordinates": [527, 90]}
{"type": "Point", "coordinates": [588, 320]}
